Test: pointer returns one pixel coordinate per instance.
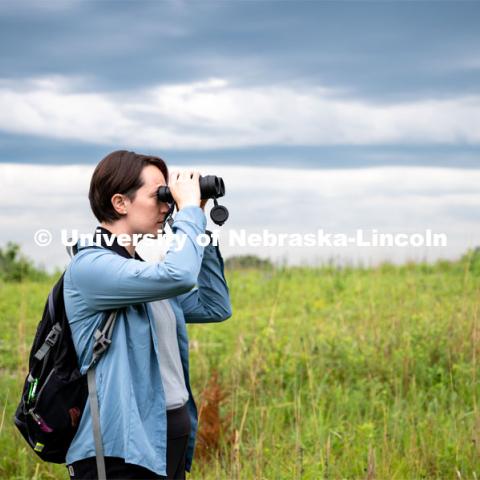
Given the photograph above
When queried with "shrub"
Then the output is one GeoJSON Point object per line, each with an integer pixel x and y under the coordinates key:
{"type": "Point", "coordinates": [16, 267]}
{"type": "Point", "coordinates": [247, 261]}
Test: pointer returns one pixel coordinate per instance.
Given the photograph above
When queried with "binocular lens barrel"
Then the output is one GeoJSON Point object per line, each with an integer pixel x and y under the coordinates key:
{"type": "Point", "coordinates": [211, 186]}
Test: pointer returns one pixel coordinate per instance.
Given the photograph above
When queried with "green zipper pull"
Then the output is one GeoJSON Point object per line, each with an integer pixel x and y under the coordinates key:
{"type": "Point", "coordinates": [32, 390]}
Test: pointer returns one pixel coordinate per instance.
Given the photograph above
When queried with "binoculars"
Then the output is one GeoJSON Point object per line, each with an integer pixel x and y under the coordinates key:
{"type": "Point", "coordinates": [211, 186]}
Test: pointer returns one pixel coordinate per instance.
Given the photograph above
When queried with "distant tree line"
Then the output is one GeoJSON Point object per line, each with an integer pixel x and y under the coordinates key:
{"type": "Point", "coordinates": [16, 267]}
{"type": "Point", "coordinates": [248, 261]}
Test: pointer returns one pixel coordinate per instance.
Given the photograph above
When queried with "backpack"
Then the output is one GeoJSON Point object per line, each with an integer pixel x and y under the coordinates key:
{"type": "Point", "coordinates": [55, 393]}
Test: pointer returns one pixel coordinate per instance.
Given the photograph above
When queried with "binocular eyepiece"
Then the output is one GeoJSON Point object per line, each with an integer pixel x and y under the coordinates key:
{"type": "Point", "coordinates": [211, 186]}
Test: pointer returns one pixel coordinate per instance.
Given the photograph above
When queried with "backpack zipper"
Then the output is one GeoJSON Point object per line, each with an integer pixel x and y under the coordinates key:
{"type": "Point", "coordinates": [44, 385]}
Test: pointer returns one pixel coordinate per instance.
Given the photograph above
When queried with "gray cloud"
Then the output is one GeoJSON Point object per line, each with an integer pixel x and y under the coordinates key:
{"type": "Point", "coordinates": [380, 50]}
{"type": "Point", "coordinates": [383, 54]}
{"type": "Point", "coordinates": [214, 114]}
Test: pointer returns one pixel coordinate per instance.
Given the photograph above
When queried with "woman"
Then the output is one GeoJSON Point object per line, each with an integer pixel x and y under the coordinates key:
{"type": "Point", "coordinates": [148, 418]}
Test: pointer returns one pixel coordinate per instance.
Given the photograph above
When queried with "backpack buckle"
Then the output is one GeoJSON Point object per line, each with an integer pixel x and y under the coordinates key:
{"type": "Point", "coordinates": [102, 339]}
{"type": "Point", "coordinates": [53, 335]}
{"type": "Point", "coordinates": [101, 343]}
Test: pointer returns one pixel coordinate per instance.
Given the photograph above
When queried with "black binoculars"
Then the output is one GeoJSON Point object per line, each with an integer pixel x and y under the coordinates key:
{"type": "Point", "coordinates": [211, 186]}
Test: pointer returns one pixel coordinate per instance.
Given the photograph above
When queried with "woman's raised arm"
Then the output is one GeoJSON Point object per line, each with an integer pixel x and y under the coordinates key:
{"type": "Point", "coordinates": [107, 281]}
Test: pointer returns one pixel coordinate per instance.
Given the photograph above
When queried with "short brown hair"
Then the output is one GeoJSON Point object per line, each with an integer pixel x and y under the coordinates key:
{"type": "Point", "coordinates": [118, 172]}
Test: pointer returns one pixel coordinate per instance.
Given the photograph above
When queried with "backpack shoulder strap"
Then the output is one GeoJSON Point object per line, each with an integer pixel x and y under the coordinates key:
{"type": "Point", "coordinates": [103, 339]}
{"type": "Point", "coordinates": [97, 434]}
{"type": "Point", "coordinates": [72, 250]}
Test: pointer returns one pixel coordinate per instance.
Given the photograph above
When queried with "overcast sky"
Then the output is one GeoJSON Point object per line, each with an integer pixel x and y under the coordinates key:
{"type": "Point", "coordinates": [318, 83]}
{"type": "Point", "coordinates": [245, 88]}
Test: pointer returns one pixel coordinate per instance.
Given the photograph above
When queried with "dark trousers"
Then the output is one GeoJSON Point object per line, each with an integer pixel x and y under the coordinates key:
{"type": "Point", "coordinates": [178, 432]}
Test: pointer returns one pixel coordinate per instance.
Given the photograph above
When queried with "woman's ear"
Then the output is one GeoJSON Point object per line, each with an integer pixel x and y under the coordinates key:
{"type": "Point", "coordinates": [119, 203]}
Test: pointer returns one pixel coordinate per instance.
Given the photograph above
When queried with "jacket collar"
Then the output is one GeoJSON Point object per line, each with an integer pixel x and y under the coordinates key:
{"type": "Point", "coordinates": [105, 234]}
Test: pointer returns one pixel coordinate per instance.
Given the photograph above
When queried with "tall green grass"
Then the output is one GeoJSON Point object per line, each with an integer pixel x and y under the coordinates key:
{"type": "Point", "coordinates": [327, 373]}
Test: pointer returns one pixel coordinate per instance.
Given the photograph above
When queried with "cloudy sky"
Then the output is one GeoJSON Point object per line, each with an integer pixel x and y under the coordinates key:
{"type": "Point", "coordinates": [334, 115]}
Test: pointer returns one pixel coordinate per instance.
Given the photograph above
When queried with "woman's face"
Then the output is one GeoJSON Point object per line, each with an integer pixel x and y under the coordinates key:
{"type": "Point", "coordinates": [145, 214]}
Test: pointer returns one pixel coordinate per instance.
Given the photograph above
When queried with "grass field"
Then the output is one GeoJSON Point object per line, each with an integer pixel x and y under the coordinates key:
{"type": "Point", "coordinates": [322, 373]}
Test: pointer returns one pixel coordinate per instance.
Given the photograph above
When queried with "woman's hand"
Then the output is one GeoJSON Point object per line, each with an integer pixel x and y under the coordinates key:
{"type": "Point", "coordinates": [185, 188]}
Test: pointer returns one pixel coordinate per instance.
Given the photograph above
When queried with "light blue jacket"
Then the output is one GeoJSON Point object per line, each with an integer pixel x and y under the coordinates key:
{"type": "Point", "coordinates": [131, 398]}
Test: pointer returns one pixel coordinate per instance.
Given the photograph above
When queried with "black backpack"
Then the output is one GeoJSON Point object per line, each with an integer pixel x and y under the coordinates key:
{"type": "Point", "coordinates": [55, 393]}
